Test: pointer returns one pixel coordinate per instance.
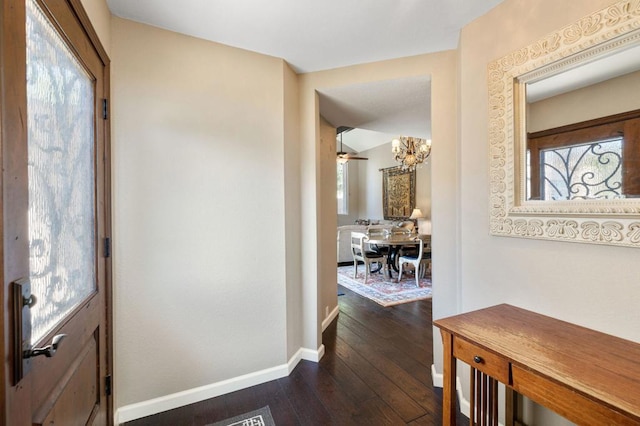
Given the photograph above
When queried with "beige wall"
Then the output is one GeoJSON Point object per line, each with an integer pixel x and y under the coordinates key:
{"type": "Point", "coordinates": [292, 211]}
{"type": "Point", "coordinates": [205, 135]}
{"type": "Point", "coordinates": [328, 222]}
{"type": "Point", "coordinates": [199, 209]}
{"type": "Point", "coordinates": [599, 100]}
{"type": "Point", "coordinates": [595, 286]}
{"type": "Point", "coordinates": [100, 17]}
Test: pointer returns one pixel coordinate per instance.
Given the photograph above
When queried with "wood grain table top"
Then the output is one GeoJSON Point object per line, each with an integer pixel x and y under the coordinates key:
{"type": "Point", "coordinates": [599, 366]}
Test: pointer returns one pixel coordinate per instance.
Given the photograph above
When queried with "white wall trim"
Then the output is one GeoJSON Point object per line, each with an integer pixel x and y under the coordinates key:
{"type": "Point", "coordinates": [438, 379]}
{"type": "Point", "coordinates": [179, 399]}
{"type": "Point", "coordinates": [332, 315]}
{"type": "Point", "coordinates": [306, 354]}
{"type": "Point", "coordinates": [465, 405]}
{"type": "Point", "coordinates": [438, 382]}
{"type": "Point", "coordinates": [311, 355]}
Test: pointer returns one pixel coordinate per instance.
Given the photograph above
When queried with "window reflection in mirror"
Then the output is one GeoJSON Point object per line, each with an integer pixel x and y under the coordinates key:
{"type": "Point", "coordinates": [583, 131]}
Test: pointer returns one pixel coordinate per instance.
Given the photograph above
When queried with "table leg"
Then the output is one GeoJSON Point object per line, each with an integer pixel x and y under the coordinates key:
{"type": "Point", "coordinates": [449, 382]}
{"type": "Point", "coordinates": [393, 257]}
{"type": "Point", "coordinates": [381, 266]}
{"type": "Point", "coordinates": [390, 259]}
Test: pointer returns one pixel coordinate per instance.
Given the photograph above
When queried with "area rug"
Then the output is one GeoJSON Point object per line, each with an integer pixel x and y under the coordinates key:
{"type": "Point", "coordinates": [260, 417]}
{"type": "Point", "coordinates": [381, 290]}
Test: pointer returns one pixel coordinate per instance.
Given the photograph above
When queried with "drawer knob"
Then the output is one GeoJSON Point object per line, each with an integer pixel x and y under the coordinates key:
{"type": "Point", "coordinates": [477, 359]}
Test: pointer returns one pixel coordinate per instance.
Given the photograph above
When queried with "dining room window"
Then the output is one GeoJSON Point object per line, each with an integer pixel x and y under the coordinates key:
{"type": "Point", "coordinates": [343, 187]}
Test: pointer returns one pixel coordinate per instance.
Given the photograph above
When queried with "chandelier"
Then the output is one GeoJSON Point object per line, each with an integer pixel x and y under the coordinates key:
{"type": "Point", "coordinates": [410, 151]}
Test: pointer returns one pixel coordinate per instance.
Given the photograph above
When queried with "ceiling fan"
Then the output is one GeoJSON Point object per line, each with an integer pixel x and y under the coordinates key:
{"type": "Point", "coordinates": [342, 156]}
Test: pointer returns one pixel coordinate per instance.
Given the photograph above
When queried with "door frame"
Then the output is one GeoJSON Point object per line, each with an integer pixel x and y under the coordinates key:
{"type": "Point", "coordinates": [13, 183]}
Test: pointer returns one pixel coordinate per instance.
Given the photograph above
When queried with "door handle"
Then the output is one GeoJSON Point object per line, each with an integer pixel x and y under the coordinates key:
{"type": "Point", "coordinates": [49, 350]}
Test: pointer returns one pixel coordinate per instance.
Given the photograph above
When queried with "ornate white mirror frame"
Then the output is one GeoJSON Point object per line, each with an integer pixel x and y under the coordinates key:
{"type": "Point", "coordinates": [615, 222]}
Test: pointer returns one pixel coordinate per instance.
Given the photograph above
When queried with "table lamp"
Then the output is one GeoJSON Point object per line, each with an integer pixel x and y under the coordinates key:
{"type": "Point", "coordinates": [415, 215]}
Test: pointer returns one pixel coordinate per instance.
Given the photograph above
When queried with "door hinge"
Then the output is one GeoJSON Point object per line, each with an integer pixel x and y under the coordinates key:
{"type": "Point", "coordinates": [107, 247]}
{"type": "Point", "coordinates": [105, 108]}
{"type": "Point", "coordinates": [107, 385]}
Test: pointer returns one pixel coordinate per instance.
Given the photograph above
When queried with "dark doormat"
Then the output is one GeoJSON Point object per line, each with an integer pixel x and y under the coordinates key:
{"type": "Point", "coordinates": [260, 417]}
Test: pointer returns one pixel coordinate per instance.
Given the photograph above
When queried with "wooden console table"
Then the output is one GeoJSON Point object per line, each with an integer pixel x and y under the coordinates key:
{"type": "Point", "coordinates": [590, 378]}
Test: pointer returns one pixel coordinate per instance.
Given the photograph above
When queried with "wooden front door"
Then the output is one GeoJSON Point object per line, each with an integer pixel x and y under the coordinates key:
{"type": "Point", "coordinates": [56, 265]}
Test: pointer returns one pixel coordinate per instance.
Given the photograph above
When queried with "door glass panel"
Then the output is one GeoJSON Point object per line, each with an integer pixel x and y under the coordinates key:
{"type": "Point", "coordinates": [60, 114]}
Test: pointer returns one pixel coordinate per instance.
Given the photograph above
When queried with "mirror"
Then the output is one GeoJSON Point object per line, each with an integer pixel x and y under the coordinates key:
{"type": "Point", "coordinates": [583, 130]}
{"type": "Point", "coordinates": [564, 133]}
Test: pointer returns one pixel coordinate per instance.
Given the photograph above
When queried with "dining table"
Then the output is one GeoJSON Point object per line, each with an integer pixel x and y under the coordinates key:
{"type": "Point", "coordinates": [395, 241]}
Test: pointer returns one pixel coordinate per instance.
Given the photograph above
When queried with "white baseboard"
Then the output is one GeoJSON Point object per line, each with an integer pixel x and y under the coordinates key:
{"type": "Point", "coordinates": [438, 379]}
{"type": "Point", "coordinates": [330, 318]}
{"type": "Point", "coordinates": [306, 354]}
{"type": "Point", "coordinates": [465, 405]}
{"type": "Point", "coordinates": [438, 382]}
{"type": "Point", "coordinates": [169, 402]}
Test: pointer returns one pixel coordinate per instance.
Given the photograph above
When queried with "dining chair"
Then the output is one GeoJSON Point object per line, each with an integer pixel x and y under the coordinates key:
{"type": "Point", "coordinates": [360, 253]}
{"type": "Point", "coordinates": [406, 229]}
{"type": "Point", "coordinates": [420, 261]}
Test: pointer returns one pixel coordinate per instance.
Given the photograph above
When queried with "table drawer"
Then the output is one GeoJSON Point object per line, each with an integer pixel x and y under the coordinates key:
{"type": "Point", "coordinates": [481, 359]}
{"type": "Point", "coordinates": [564, 400]}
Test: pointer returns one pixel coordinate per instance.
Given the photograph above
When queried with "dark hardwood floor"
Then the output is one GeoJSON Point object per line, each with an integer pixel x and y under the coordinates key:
{"type": "Point", "coordinates": [376, 371]}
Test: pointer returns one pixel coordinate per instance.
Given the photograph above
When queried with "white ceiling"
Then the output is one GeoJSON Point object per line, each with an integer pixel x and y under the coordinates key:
{"type": "Point", "coordinates": [379, 109]}
{"type": "Point", "coordinates": [358, 140]}
{"type": "Point", "coordinates": [314, 35]}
